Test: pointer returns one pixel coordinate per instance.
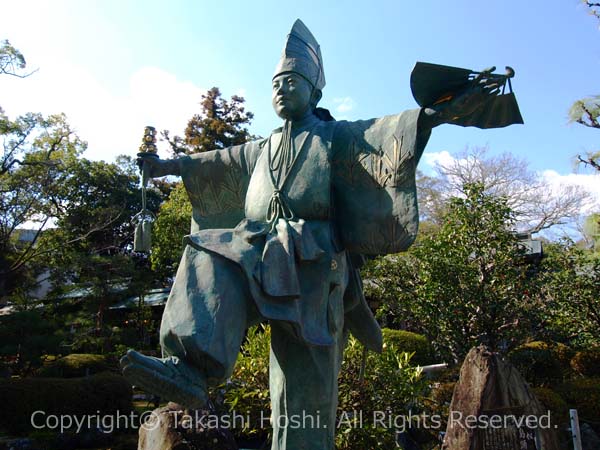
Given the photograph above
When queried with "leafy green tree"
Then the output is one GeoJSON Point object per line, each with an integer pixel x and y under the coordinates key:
{"type": "Point", "coordinates": [26, 337]}
{"type": "Point", "coordinates": [591, 231]}
{"type": "Point", "coordinates": [220, 124]}
{"type": "Point", "coordinates": [570, 283]}
{"type": "Point", "coordinates": [34, 166]}
{"type": "Point", "coordinates": [172, 223]}
{"type": "Point", "coordinates": [463, 285]}
{"type": "Point", "coordinates": [97, 232]}
{"type": "Point", "coordinates": [587, 113]}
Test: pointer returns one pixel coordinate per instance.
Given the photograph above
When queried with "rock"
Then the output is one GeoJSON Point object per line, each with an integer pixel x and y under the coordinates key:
{"type": "Point", "coordinates": [490, 388]}
{"type": "Point", "coordinates": [159, 432]}
{"type": "Point", "coordinates": [172, 428]}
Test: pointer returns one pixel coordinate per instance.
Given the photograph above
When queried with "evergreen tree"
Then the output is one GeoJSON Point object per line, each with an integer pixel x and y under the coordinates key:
{"type": "Point", "coordinates": [220, 124]}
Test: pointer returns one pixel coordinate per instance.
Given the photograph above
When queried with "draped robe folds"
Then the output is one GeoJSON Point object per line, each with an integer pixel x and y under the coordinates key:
{"type": "Point", "coordinates": [352, 192]}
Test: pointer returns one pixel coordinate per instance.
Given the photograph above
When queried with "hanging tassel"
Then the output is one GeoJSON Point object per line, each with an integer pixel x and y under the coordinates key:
{"type": "Point", "coordinates": [142, 239]}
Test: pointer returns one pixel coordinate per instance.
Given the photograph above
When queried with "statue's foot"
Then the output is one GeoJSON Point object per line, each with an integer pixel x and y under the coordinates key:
{"type": "Point", "coordinates": [169, 378]}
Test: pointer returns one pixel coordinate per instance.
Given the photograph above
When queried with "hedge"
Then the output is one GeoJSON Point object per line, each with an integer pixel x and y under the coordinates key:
{"type": "Point", "coordinates": [101, 394]}
{"type": "Point", "coordinates": [409, 342]}
{"type": "Point", "coordinates": [587, 362]}
{"type": "Point", "coordinates": [583, 394]}
{"type": "Point", "coordinates": [553, 402]}
{"type": "Point", "coordinates": [542, 363]}
{"type": "Point", "coordinates": [74, 365]}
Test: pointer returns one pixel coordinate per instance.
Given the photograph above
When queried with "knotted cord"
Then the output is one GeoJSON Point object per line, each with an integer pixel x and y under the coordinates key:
{"type": "Point", "coordinates": [280, 166]}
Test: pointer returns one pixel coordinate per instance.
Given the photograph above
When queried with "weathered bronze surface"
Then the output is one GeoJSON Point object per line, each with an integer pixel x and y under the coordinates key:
{"type": "Point", "coordinates": [279, 229]}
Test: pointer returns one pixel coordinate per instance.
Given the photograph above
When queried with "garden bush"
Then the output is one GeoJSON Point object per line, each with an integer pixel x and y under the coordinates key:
{"type": "Point", "coordinates": [542, 363]}
{"type": "Point", "coordinates": [587, 362]}
{"type": "Point", "coordinates": [74, 365]}
{"type": "Point", "coordinates": [101, 394]}
{"type": "Point", "coordinates": [406, 341]}
{"type": "Point", "coordinates": [438, 401]}
{"type": "Point", "coordinates": [390, 384]}
{"type": "Point", "coordinates": [553, 402]}
{"type": "Point", "coordinates": [247, 392]}
{"type": "Point", "coordinates": [583, 394]}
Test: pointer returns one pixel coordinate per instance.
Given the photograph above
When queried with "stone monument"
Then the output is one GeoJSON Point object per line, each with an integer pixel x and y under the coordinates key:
{"type": "Point", "coordinates": [279, 230]}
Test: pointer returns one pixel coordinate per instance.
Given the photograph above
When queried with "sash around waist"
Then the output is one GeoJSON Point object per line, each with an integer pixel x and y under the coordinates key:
{"type": "Point", "coordinates": [270, 254]}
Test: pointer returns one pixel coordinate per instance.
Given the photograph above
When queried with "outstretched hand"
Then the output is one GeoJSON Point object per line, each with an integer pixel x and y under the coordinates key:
{"type": "Point", "coordinates": [484, 86]}
{"type": "Point", "coordinates": [156, 167]}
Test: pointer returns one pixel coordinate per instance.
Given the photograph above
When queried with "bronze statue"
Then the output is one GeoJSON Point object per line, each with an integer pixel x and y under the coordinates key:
{"type": "Point", "coordinates": [280, 227]}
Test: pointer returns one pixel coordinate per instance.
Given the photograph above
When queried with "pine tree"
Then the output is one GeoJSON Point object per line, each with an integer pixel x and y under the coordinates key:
{"type": "Point", "coordinates": [220, 124]}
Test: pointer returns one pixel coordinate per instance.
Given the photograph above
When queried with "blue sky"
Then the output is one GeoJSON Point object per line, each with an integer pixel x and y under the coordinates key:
{"type": "Point", "coordinates": [115, 66]}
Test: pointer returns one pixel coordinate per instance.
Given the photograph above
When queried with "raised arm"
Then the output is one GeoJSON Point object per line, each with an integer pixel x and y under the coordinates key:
{"type": "Point", "coordinates": [155, 167]}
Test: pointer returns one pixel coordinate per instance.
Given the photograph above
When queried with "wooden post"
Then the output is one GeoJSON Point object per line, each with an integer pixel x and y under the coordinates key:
{"type": "Point", "coordinates": [575, 430]}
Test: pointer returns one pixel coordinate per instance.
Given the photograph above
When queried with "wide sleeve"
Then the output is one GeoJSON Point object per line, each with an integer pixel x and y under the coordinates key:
{"type": "Point", "coordinates": [373, 174]}
{"type": "Point", "coordinates": [216, 183]}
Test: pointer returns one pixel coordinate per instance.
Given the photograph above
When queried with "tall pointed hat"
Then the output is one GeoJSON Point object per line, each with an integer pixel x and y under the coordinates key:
{"type": "Point", "coordinates": [302, 54]}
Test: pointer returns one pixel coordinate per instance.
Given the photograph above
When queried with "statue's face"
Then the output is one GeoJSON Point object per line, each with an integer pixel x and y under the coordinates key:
{"type": "Point", "coordinates": [291, 95]}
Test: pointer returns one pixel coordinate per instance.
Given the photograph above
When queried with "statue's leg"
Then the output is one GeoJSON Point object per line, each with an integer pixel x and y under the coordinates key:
{"type": "Point", "coordinates": [304, 391]}
{"type": "Point", "coordinates": [207, 313]}
{"type": "Point", "coordinates": [202, 328]}
{"type": "Point", "coordinates": [303, 380]}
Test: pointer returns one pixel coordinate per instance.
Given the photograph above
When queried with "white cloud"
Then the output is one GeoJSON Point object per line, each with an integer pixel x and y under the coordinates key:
{"type": "Point", "coordinates": [344, 104]}
{"type": "Point", "coordinates": [111, 124]}
{"type": "Point", "coordinates": [589, 182]}
{"type": "Point", "coordinates": [443, 158]}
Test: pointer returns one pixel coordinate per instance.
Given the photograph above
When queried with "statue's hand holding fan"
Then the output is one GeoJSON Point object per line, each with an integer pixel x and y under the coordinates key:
{"type": "Point", "coordinates": [465, 97]}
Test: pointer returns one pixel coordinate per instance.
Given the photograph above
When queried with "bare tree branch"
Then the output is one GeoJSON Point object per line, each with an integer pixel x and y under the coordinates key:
{"type": "Point", "coordinates": [537, 205]}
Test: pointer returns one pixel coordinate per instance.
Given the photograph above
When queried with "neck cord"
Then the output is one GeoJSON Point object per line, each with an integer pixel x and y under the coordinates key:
{"type": "Point", "coordinates": [280, 166]}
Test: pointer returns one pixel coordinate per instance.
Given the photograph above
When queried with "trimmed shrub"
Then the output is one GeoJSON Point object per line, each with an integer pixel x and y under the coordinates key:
{"type": "Point", "coordinates": [406, 341]}
{"type": "Point", "coordinates": [583, 394]}
{"type": "Point", "coordinates": [542, 363]}
{"type": "Point", "coordinates": [587, 362]}
{"type": "Point", "coordinates": [75, 365]}
{"type": "Point", "coordinates": [559, 410]}
{"type": "Point", "coordinates": [101, 394]}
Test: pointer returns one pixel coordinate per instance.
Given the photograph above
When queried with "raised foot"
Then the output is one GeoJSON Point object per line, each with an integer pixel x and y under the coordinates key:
{"type": "Point", "coordinates": [169, 378]}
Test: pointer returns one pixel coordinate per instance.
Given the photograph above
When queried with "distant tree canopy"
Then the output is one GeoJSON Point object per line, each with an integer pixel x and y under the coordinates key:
{"type": "Point", "coordinates": [220, 124]}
